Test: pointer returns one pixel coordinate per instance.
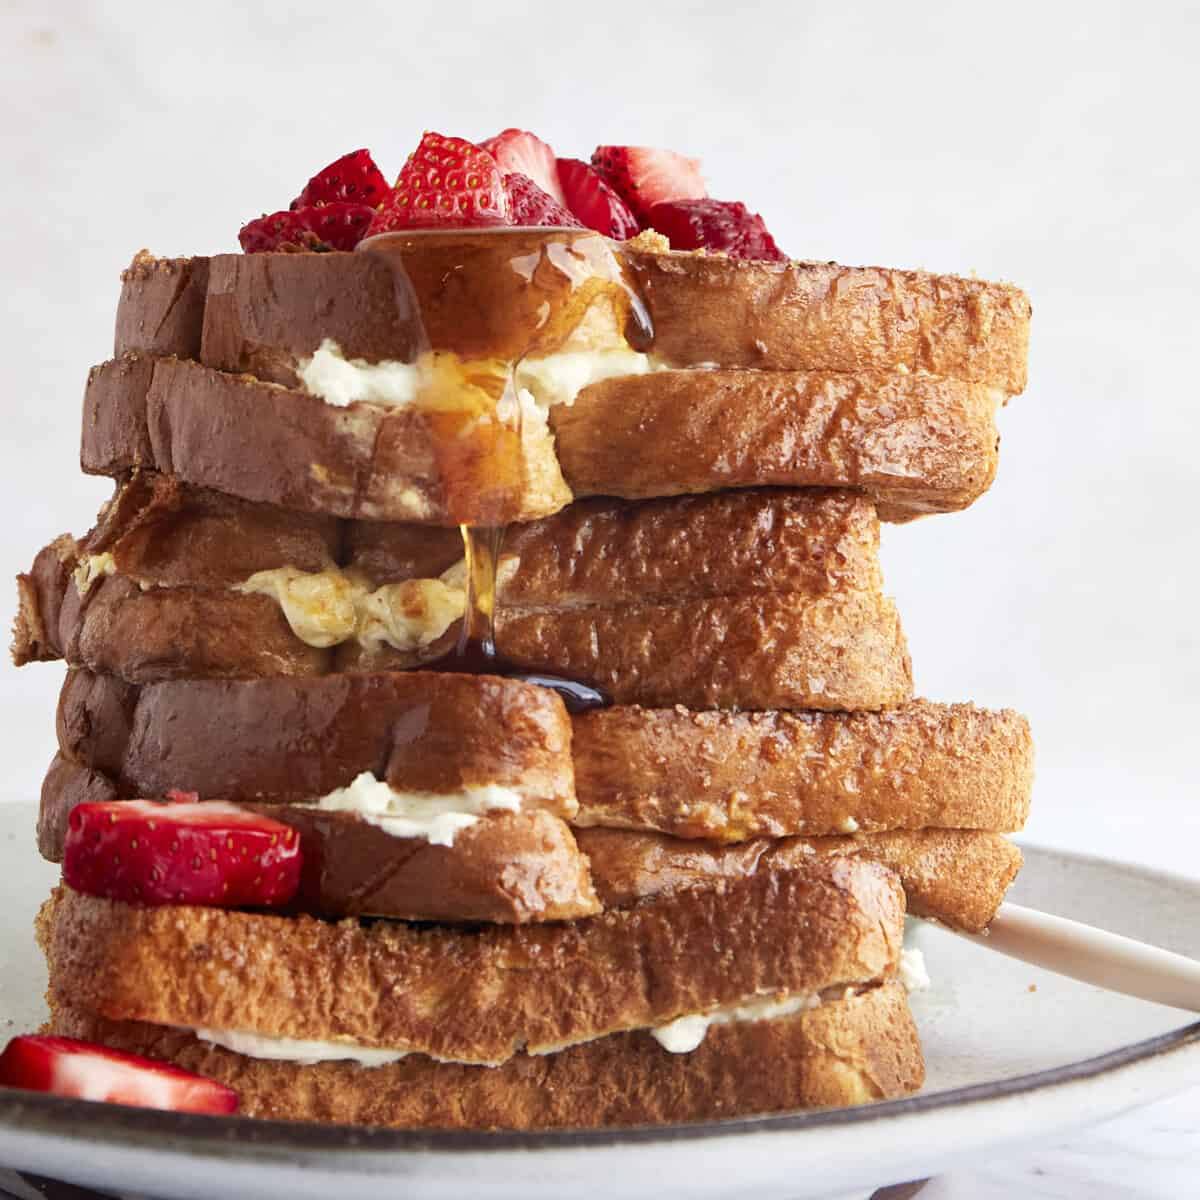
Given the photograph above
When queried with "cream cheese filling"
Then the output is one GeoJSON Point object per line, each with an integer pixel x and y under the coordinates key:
{"type": "Point", "coordinates": [684, 1034]}
{"type": "Point", "coordinates": [433, 379]}
{"type": "Point", "coordinates": [435, 817]}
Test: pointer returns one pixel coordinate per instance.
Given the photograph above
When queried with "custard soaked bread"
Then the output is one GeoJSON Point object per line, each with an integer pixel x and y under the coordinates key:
{"type": "Point", "coordinates": [762, 599]}
{"type": "Point", "coordinates": [943, 779]}
{"type": "Point", "coordinates": [654, 1013]}
{"type": "Point", "coordinates": [577, 815]}
{"type": "Point", "coordinates": [446, 378]}
{"type": "Point", "coordinates": [848, 1051]}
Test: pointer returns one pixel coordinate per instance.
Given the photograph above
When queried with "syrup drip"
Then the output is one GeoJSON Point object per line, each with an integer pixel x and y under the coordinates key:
{"type": "Point", "coordinates": [526, 292]}
{"type": "Point", "coordinates": [476, 652]}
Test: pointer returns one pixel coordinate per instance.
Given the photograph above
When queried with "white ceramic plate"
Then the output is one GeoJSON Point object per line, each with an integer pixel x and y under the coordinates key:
{"type": "Point", "coordinates": [1014, 1055]}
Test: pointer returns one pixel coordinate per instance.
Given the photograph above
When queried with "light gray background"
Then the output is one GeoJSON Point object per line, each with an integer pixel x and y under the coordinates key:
{"type": "Point", "coordinates": [1051, 145]}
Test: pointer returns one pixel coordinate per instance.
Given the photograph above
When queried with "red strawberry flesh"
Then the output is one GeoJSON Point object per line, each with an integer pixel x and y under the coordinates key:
{"type": "Point", "coordinates": [335, 226]}
{"type": "Point", "coordinates": [353, 178]}
{"type": "Point", "coordinates": [594, 202]}
{"type": "Point", "coordinates": [643, 176]}
{"type": "Point", "coordinates": [518, 152]}
{"type": "Point", "coordinates": [532, 206]}
{"type": "Point", "coordinates": [721, 226]}
{"type": "Point", "coordinates": [446, 183]}
{"type": "Point", "coordinates": [87, 1071]}
{"type": "Point", "coordinates": [150, 852]}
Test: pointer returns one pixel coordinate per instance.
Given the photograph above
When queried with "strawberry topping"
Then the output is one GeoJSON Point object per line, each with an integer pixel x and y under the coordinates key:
{"type": "Point", "coordinates": [726, 226]}
{"type": "Point", "coordinates": [644, 177]}
{"type": "Point", "coordinates": [594, 202]}
{"type": "Point", "coordinates": [150, 852]}
{"type": "Point", "coordinates": [532, 206]}
{"type": "Point", "coordinates": [87, 1071]}
{"type": "Point", "coordinates": [335, 226]}
{"type": "Point", "coordinates": [353, 178]}
{"type": "Point", "coordinates": [446, 182]}
{"type": "Point", "coordinates": [518, 152]}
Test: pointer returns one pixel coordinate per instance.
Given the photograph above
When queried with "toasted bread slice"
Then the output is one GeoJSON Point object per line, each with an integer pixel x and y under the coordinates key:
{"type": "Point", "coordinates": [915, 444]}
{"type": "Point", "coordinates": [517, 869]}
{"type": "Point", "coordinates": [733, 776]}
{"type": "Point", "coordinates": [756, 599]}
{"type": "Point", "coordinates": [955, 876]}
{"type": "Point", "coordinates": [266, 310]}
{"type": "Point", "coordinates": [720, 776]}
{"type": "Point", "coordinates": [479, 997]}
{"type": "Point", "coordinates": [508, 868]}
{"type": "Point", "coordinates": [288, 740]}
{"type": "Point", "coordinates": [844, 1052]}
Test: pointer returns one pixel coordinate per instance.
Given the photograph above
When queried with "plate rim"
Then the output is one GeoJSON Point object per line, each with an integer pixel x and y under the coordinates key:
{"type": "Point", "coordinates": [367, 1149]}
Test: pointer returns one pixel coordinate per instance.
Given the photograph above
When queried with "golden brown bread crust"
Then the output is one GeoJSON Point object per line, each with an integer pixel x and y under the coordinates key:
{"type": "Point", "coordinates": [266, 309]}
{"type": "Point", "coordinates": [478, 997]}
{"type": "Point", "coordinates": [851, 1051]}
{"type": "Point", "coordinates": [733, 776]}
{"type": "Point", "coordinates": [513, 871]}
{"type": "Point", "coordinates": [263, 442]}
{"type": "Point", "coordinates": [774, 651]}
{"type": "Point", "coordinates": [827, 317]}
{"type": "Point", "coordinates": [507, 868]}
{"type": "Point", "coordinates": [755, 599]}
{"type": "Point", "coordinates": [288, 740]}
{"type": "Point", "coordinates": [955, 876]}
{"type": "Point", "coordinates": [915, 443]}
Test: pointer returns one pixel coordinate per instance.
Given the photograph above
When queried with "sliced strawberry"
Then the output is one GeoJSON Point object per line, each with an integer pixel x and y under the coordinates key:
{"type": "Point", "coordinates": [279, 231]}
{"type": "Point", "coordinates": [726, 226]}
{"type": "Point", "coordinates": [87, 1071]}
{"type": "Point", "coordinates": [446, 183]}
{"type": "Point", "coordinates": [644, 177]}
{"type": "Point", "coordinates": [340, 226]}
{"type": "Point", "coordinates": [336, 226]}
{"type": "Point", "coordinates": [150, 852]}
{"type": "Point", "coordinates": [354, 178]}
{"type": "Point", "coordinates": [518, 152]}
{"type": "Point", "coordinates": [532, 206]}
{"type": "Point", "coordinates": [594, 202]}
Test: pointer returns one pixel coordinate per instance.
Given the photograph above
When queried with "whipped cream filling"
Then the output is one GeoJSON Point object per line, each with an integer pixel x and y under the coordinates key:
{"type": "Point", "coordinates": [431, 380]}
{"type": "Point", "coordinates": [298, 1050]}
{"type": "Point", "coordinates": [914, 975]}
{"type": "Point", "coordinates": [436, 817]}
{"type": "Point", "coordinates": [684, 1034]}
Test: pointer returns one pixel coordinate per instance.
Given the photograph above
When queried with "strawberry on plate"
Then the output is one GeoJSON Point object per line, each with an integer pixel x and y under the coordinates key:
{"type": "Point", "coordinates": [532, 206]}
{"type": "Point", "coordinates": [335, 226]}
{"type": "Point", "coordinates": [151, 852]}
{"type": "Point", "coordinates": [354, 178]}
{"type": "Point", "coordinates": [724, 226]}
{"type": "Point", "coordinates": [87, 1071]}
{"type": "Point", "coordinates": [446, 183]}
{"type": "Point", "coordinates": [518, 152]}
{"type": "Point", "coordinates": [643, 176]}
{"type": "Point", "coordinates": [594, 202]}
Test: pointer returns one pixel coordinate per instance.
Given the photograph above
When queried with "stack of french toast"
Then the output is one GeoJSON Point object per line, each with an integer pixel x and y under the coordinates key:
{"type": "Point", "coordinates": [483, 707]}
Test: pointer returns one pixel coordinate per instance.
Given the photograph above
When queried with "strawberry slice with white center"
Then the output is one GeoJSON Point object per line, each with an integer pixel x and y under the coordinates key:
{"type": "Point", "coordinates": [87, 1071]}
{"type": "Point", "coordinates": [594, 202]}
{"type": "Point", "coordinates": [150, 852]}
{"type": "Point", "coordinates": [519, 152]}
{"type": "Point", "coordinates": [644, 176]}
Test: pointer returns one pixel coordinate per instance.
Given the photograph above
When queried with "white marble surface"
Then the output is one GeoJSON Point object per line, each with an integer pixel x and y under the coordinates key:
{"type": "Point", "coordinates": [1049, 144]}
